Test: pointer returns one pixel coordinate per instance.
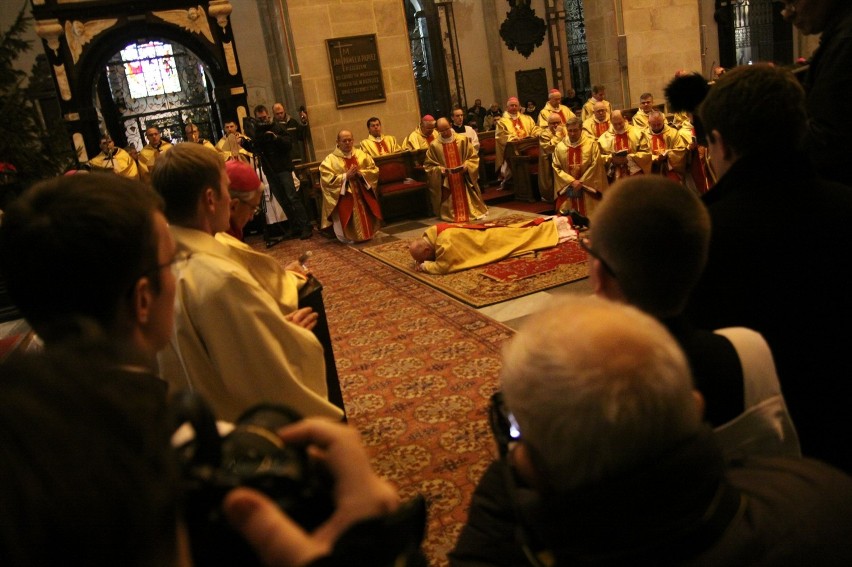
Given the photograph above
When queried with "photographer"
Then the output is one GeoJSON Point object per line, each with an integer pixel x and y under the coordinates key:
{"type": "Point", "coordinates": [274, 145]}
{"type": "Point", "coordinates": [359, 494]}
{"type": "Point", "coordinates": [96, 480]}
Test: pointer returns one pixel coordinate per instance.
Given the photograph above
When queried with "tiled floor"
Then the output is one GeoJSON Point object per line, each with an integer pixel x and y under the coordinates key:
{"type": "Point", "coordinates": [510, 313]}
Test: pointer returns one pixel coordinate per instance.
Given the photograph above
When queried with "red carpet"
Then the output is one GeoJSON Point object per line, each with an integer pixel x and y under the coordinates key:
{"type": "Point", "coordinates": [417, 369]}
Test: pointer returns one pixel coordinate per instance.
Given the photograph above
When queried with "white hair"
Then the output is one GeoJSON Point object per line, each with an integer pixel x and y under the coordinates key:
{"type": "Point", "coordinates": [596, 387]}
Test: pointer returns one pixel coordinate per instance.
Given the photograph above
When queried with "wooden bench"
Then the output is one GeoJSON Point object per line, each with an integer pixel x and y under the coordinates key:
{"type": "Point", "coordinates": [487, 158]}
{"type": "Point", "coordinates": [402, 189]}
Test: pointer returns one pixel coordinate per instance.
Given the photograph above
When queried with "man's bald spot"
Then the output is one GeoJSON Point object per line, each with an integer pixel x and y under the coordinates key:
{"type": "Point", "coordinates": [554, 118]}
{"type": "Point", "coordinates": [341, 134]}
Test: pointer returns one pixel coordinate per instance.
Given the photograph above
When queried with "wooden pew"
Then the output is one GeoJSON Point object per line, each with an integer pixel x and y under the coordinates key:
{"type": "Point", "coordinates": [402, 187]}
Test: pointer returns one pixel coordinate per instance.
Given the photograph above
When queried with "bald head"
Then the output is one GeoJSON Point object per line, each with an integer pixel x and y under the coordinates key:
{"type": "Point", "coordinates": [444, 128]}
{"type": "Point", "coordinates": [618, 122]}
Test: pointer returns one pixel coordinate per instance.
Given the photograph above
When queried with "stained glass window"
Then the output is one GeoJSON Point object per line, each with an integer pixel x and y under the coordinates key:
{"type": "Point", "coordinates": [150, 69]}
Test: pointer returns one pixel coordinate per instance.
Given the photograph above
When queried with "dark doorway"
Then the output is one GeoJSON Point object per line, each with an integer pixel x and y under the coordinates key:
{"type": "Point", "coordinates": [427, 57]}
{"type": "Point", "coordinates": [578, 50]}
{"type": "Point", "coordinates": [752, 31]}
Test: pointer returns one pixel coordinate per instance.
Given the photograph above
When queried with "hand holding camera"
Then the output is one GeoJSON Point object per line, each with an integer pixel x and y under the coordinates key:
{"type": "Point", "coordinates": [358, 494]}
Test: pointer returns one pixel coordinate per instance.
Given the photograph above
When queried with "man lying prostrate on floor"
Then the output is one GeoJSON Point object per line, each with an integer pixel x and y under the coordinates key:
{"type": "Point", "coordinates": [605, 460]}
{"type": "Point", "coordinates": [239, 338]}
{"type": "Point", "coordinates": [648, 249]}
{"type": "Point", "coordinates": [447, 248]}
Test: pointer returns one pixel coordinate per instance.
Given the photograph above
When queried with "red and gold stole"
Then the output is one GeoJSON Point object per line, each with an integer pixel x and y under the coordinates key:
{"type": "Point", "coordinates": [658, 143]}
{"type": "Point", "coordinates": [381, 146]}
{"type": "Point", "coordinates": [601, 127]}
{"type": "Point", "coordinates": [520, 131]}
{"type": "Point", "coordinates": [352, 205]}
{"type": "Point", "coordinates": [458, 191]}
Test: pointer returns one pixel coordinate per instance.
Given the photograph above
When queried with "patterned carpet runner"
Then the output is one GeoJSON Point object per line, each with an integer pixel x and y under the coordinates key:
{"type": "Point", "coordinates": [417, 369]}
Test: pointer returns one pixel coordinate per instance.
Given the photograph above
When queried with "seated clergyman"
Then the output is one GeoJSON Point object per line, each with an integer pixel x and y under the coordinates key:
{"type": "Point", "coordinates": [447, 248]}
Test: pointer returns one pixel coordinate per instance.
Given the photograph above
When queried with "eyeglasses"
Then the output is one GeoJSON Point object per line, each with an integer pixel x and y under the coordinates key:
{"type": "Point", "coordinates": [586, 245]}
{"type": "Point", "coordinates": [256, 210]}
{"type": "Point", "coordinates": [503, 424]}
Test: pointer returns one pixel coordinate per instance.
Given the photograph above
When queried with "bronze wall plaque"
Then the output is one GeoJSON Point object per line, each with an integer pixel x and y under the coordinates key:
{"type": "Point", "coordinates": [355, 70]}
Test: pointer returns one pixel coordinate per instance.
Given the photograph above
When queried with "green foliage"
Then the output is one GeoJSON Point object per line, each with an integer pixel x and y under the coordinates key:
{"type": "Point", "coordinates": [35, 150]}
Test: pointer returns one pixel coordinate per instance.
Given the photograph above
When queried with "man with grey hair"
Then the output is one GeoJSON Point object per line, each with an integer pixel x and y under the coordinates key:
{"type": "Point", "coordinates": [605, 460]}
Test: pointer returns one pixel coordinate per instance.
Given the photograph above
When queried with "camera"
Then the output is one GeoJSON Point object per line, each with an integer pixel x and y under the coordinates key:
{"type": "Point", "coordinates": [251, 455]}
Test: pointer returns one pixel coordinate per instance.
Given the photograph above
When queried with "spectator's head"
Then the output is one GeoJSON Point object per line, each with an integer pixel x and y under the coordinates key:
{"type": "Point", "coordinates": [477, 103]}
{"type": "Point", "coordinates": [231, 127]}
{"type": "Point", "coordinates": [194, 185]}
{"type": "Point", "coordinates": [646, 102]}
{"type": "Point", "coordinates": [649, 245]}
{"type": "Point", "coordinates": [245, 190]}
{"type": "Point", "coordinates": [91, 247]}
{"type": "Point", "coordinates": [152, 133]}
{"type": "Point", "coordinates": [599, 92]}
{"type": "Point", "coordinates": [421, 250]}
{"type": "Point", "coordinates": [427, 125]}
{"type": "Point", "coordinates": [754, 110]}
{"type": "Point", "coordinates": [374, 126]}
{"type": "Point", "coordinates": [279, 112]}
{"type": "Point", "coordinates": [445, 129]}
{"type": "Point", "coordinates": [620, 395]}
{"type": "Point", "coordinates": [530, 108]}
{"type": "Point", "coordinates": [812, 16]}
{"type": "Point", "coordinates": [261, 114]}
{"type": "Point", "coordinates": [570, 92]}
{"type": "Point", "coordinates": [86, 474]}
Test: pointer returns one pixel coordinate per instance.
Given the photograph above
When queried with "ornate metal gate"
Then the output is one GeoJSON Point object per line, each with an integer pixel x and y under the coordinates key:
{"type": "Point", "coordinates": [155, 83]}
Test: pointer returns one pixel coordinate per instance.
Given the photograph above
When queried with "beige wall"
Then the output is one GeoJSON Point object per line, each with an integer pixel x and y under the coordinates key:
{"type": "Point", "coordinates": [314, 21]}
{"type": "Point", "coordinates": [662, 37]}
{"type": "Point", "coordinates": [602, 43]}
{"type": "Point", "coordinates": [473, 49]}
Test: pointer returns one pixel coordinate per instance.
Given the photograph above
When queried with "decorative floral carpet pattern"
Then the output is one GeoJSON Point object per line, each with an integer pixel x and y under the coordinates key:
{"type": "Point", "coordinates": [493, 283]}
{"type": "Point", "coordinates": [416, 369]}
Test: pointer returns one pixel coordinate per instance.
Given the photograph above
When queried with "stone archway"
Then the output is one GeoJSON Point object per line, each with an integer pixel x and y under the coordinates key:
{"type": "Point", "coordinates": [79, 46]}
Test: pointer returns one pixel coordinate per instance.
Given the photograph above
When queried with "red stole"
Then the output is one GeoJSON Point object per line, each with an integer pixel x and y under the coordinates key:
{"type": "Point", "coordinates": [601, 127]}
{"type": "Point", "coordinates": [458, 190]}
{"type": "Point", "coordinates": [358, 199]}
{"type": "Point", "coordinates": [575, 170]}
{"type": "Point", "coordinates": [621, 143]}
{"type": "Point", "coordinates": [658, 144]}
{"type": "Point", "coordinates": [520, 131]}
{"type": "Point", "coordinates": [381, 146]}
